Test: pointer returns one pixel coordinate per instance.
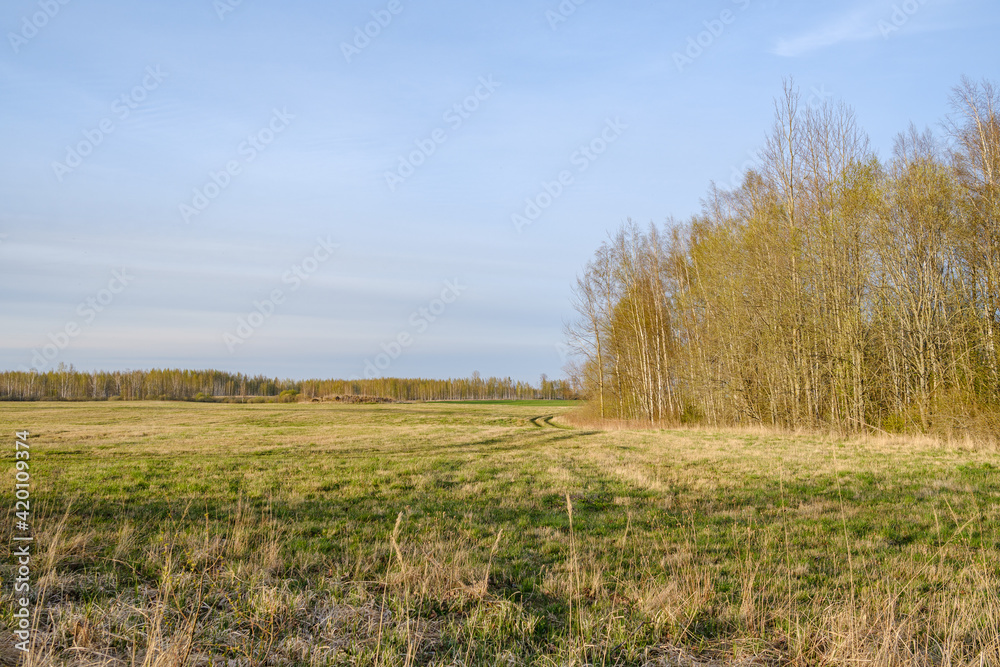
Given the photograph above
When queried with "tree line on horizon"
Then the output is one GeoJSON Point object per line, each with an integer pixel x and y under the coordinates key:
{"type": "Point", "coordinates": [830, 288]}
{"type": "Point", "coordinates": [68, 384]}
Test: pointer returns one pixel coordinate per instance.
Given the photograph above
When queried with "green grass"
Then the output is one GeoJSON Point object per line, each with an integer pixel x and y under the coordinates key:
{"type": "Point", "coordinates": [320, 534]}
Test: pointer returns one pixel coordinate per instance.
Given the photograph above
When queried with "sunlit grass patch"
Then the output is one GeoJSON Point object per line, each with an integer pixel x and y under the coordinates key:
{"type": "Point", "coordinates": [401, 534]}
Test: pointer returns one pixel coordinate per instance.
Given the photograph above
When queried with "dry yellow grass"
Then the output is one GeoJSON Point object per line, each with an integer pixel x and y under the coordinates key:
{"type": "Point", "coordinates": [191, 534]}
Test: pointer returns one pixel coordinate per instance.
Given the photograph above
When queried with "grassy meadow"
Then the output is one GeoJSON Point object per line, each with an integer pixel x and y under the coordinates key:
{"type": "Point", "coordinates": [496, 533]}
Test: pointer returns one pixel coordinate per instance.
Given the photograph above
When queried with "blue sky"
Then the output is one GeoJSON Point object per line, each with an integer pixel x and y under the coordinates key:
{"type": "Point", "coordinates": [170, 168]}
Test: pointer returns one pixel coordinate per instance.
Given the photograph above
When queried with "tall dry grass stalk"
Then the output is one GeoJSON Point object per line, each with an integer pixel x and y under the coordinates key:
{"type": "Point", "coordinates": [952, 438]}
{"type": "Point", "coordinates": [881, 622]}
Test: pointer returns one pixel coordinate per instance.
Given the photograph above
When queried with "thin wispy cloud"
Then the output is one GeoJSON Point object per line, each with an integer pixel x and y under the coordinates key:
{"type": "Point", "coordinates": [869, 22]}
{"type": "Point", "coordinates": [860, 25]}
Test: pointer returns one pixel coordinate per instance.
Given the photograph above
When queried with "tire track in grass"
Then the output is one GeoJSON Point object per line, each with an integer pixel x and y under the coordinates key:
{"type": "Point", "coordinates": [544, 421]}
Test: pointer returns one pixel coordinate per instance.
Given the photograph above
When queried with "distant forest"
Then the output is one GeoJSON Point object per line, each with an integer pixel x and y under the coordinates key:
{"type": "Point", "coordinates": [68, 384]}
{"type": "Point", "coordinates": [830, 288]}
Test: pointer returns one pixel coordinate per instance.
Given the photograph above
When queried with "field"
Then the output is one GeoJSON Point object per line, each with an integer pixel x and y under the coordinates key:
{"type": "Point", "coordinates": [176, 534]}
